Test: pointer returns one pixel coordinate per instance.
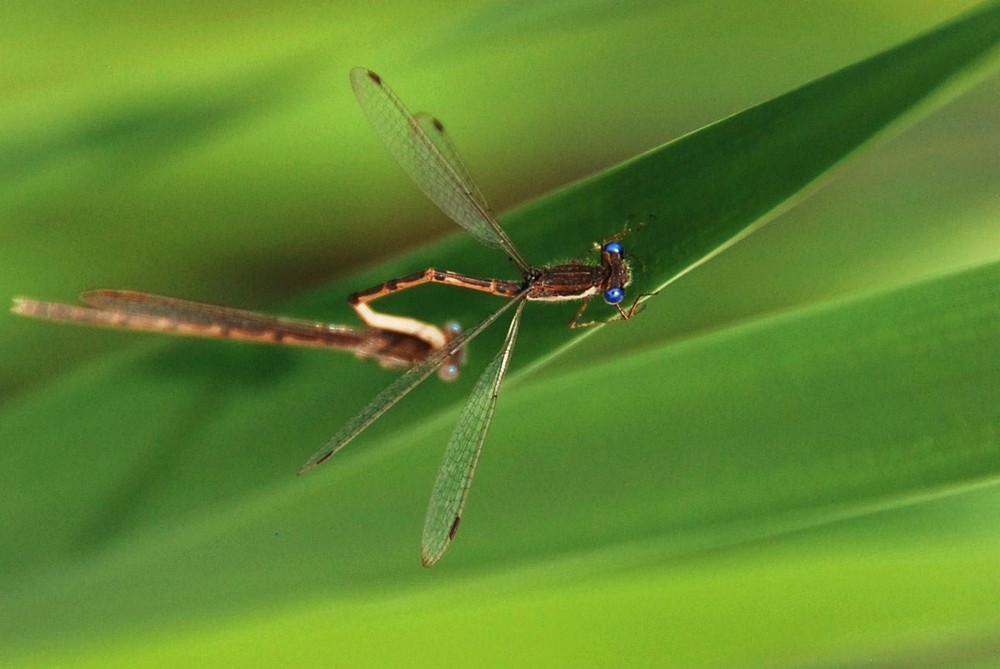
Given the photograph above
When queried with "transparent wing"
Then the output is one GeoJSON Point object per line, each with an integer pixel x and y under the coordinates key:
{"type": "Point", "coordinates": [400, 387]}
{"type": "Point", "coordinates": [145, 312]}
{"type": "Point", "coordinates": [435, 132]}
{"type": "Point", "coordinates": [136, 310]}
{"type": "Point", "coordinates": [454, 477]}
{"type": "Point", "coordinates": [203, 314]}
{"type": "Point", "coordinates": [429, 158]}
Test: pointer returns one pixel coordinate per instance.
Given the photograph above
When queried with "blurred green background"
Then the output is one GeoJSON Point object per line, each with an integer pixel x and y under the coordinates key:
{"type": "Point", "coordinates": [216, 153]}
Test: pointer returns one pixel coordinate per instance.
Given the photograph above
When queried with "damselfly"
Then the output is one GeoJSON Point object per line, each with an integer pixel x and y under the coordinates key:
{"type": "Point", "coordinates": [420, 146]}
{"type": "Point", "coordinates": [134, 310]}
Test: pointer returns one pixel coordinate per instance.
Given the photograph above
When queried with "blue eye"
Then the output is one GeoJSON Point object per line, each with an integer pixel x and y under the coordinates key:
{"type": "Point", "coordinates": [448, 372]}
{"type": "Point", "coordinates": [613, 247]}
{"type": "Point", "coordinates": [614, 295]}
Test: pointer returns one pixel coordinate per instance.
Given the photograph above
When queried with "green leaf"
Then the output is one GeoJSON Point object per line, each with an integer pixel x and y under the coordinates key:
{"type": "Point", "coordinates": [151, 512]}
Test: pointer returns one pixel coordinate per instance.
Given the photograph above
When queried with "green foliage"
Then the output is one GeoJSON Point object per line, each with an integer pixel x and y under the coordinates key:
{"type": "Point", "coordinates": [747, 493]}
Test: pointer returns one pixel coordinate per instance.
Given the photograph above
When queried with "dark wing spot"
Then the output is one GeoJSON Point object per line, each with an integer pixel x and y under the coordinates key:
{"type": "Point", "coordinates": [454, 528]}
{"type": "Point", "coordinates": [438, 125]}
{"type": "Point", "coordinates": [374, 77]}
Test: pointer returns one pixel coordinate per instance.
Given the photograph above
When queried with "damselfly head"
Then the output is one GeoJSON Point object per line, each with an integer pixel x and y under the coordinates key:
{"type": "Point", "coordinates": [449, 368]}
{"type": "Point", "coordinates": [618, 276]}
{"type": "Point", "coordinates": [614, 295]}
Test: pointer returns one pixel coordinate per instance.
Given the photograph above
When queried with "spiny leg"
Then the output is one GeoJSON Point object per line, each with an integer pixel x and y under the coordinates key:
{"type": "Point", "coordinates": [629, 228]}
{"type": "Point", "coordinates": [637, 306]}
{"type": "Point", "coordinates": [624, 314]}
{"type": "Point", "coordinates": [575, 323]}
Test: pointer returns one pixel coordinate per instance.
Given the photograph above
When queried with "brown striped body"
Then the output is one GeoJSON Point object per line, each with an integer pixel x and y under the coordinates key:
{"type": "Point", "coordinates": [145, 312]}
{"type": "Point", "coordinates": [556, 283]}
